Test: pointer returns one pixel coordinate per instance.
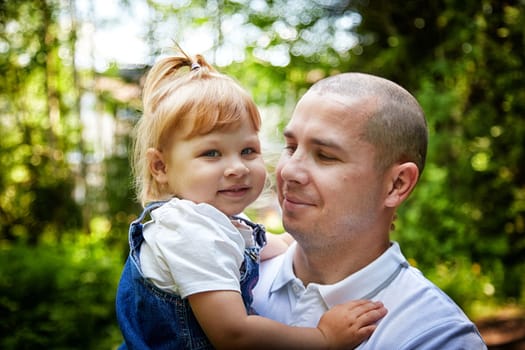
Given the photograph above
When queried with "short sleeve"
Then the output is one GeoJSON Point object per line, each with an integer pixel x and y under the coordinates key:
{"type": "Point", "coordinates": [191, 248]}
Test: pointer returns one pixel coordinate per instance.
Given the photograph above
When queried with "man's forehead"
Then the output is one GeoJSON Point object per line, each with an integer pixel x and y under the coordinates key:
{"type": "Point", "coordinates": [332, 110]}
{"type": "Point", "coordinates": [351, 102]}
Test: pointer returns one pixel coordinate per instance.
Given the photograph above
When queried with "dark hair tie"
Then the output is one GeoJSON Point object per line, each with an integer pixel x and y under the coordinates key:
{"type": "Point", "coordinates": [195, 66]}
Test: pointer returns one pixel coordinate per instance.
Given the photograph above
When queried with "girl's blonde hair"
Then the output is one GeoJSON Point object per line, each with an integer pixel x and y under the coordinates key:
{"type": "Point", "coordinates": [184, 94]}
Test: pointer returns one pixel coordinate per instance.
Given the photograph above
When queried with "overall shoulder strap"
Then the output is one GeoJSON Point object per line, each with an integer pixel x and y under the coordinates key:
{"type": "Point", "coordinates": [135, 229]}
{"type": "Point", "coordinates": [259, 232]}
{"type": "Point", "coordinates": [147, 210]}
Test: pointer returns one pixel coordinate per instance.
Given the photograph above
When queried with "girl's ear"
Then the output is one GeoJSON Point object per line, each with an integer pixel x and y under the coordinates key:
{"type": "Point", "coordinates": [157, 165]}
{"type": "Point", "coordinates": [402, 180]}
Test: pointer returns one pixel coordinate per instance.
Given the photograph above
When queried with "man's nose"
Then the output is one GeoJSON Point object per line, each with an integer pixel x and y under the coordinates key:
{"type": "Point", "coordinates": [294, 168]}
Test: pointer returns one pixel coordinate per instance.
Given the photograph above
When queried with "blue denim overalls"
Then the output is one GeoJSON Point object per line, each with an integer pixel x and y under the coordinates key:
{"type": "Point", "coordinates": [151, 318]}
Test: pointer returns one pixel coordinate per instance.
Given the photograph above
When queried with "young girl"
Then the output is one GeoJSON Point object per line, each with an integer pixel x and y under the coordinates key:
{"type": "Point", "coordinates": [188, 279]}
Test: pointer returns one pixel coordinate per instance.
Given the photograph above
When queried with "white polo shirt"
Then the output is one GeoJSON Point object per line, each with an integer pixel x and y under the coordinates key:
{"type": "Point", "coordinates": [420, 315]}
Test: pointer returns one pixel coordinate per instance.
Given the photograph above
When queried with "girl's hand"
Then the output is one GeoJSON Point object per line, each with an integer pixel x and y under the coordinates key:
{"type": "Point", "coordinates": [347, 325]}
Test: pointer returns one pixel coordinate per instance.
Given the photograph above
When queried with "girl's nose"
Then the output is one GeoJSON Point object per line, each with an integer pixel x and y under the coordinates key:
{"type": "Point", "coordinates": [236, 168]}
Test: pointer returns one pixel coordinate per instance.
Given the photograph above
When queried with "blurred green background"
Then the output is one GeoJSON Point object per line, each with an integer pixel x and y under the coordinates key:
{"type": "Point", "coordinates": [70, 77]}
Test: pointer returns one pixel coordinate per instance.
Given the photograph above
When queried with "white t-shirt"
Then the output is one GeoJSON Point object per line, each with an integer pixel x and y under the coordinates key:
{"type": "Point", "coordinates": [190, 248]}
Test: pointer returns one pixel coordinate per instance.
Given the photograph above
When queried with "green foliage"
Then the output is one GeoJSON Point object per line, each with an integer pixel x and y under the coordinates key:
{"type": "Point", "coordinates": [36, 128]}
{"type": "Point", "coordinates": [120, 199]}
{"type": "Point", "coordinates": [59, 296]}
{"type": "Point", "coordinates": [465, 283]}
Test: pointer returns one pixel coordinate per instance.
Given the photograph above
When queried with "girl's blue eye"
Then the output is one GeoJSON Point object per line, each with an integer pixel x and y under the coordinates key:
{"type": "Point", "coordinates": [248, 151]}
{"type": "Point", "coordinates": [212, 153]}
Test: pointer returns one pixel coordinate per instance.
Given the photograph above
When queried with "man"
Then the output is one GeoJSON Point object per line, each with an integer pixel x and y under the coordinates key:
{"type": "Point", "coordinates": [355, 148]}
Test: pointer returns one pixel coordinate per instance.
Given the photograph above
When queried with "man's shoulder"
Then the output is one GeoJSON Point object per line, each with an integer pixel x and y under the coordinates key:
{"type": "Point", "coordinates": [420, 313]}
{"type": "Point", "coordinates": [416, 291]}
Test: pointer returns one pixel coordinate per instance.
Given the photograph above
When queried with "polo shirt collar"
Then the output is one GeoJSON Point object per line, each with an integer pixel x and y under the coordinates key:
{"type": "Point", "coordinates": [363, 284]}
{"type": "Point", "coordinates": [285, 274]}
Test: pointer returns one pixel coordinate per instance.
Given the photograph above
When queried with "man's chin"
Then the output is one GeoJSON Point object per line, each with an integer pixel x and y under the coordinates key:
{"type": "Point", "coordinates": [292, 223]}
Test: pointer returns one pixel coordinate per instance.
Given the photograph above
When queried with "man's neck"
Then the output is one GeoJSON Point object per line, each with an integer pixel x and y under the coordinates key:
{"type": "Point", "coordinates": [331, 265]}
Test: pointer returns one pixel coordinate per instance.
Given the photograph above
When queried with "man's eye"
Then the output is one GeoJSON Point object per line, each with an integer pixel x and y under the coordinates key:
{"type": "Point", "coordinates": [290, 149]}
{"type": "Point", "coordinates": [326, 157]}
{"type": "Point", "coordinates": [211, 153]}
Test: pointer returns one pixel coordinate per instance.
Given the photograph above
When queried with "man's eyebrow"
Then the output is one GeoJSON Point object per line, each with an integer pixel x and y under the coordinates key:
{"type": "Point", "coordinates": [316, 141]}
{"type": "Point", "coordinates": [326, 143]}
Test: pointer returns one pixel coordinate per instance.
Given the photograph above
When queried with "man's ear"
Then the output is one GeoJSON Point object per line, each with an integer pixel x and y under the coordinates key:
{"type": "Point", "coordinates": [157, 165]}
{"type": "Point", "coordinates": [402, 180]}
